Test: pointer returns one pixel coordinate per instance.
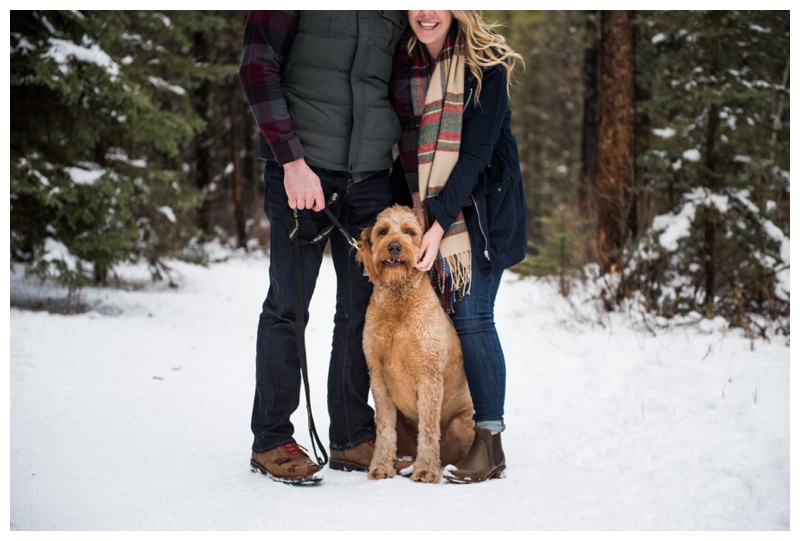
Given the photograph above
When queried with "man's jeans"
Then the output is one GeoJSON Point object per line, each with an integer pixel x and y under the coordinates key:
{"type": "Point", "coordinates": [484, 362]}
{"type": "Point", "coordinates": [277, 364]}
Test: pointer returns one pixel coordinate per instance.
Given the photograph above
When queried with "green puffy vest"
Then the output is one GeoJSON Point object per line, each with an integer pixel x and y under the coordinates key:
{"type": "Point", "coordinates": [336, 82]}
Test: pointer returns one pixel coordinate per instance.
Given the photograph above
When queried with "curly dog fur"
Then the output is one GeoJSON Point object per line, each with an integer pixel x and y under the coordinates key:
{"type": "Point", "coordinates": [414, 356]}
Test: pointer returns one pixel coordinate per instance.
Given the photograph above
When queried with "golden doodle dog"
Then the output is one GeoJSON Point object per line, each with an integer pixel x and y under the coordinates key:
{"type": "Point", "coordinates": [414, 356]}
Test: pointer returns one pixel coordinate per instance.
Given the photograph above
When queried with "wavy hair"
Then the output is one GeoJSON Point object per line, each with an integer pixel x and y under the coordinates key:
{"type": "Point", "coordinates": [483, 47]}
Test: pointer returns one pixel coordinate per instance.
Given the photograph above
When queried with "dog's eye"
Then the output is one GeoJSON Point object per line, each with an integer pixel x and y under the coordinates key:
{"type": "Point", "coordinates": [383, 231]}
{"type": "Point", "coordinates": [410, 232]}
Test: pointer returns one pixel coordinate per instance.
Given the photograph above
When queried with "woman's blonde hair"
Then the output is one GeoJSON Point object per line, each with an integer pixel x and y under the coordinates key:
{"type": "Point", "coordinates": [483, 47]}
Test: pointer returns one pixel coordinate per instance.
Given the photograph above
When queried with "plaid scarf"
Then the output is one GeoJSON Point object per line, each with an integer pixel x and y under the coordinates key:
{"type": "Point", "coordinates": [438, 101]}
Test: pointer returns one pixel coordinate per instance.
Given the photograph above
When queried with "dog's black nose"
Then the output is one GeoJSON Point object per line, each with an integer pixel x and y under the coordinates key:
{"type": "Point", "coordinates": [395, 247]}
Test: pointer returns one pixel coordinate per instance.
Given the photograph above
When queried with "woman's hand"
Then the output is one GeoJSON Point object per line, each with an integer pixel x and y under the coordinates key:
{"type": "Point", "coordinates": [429, 247]}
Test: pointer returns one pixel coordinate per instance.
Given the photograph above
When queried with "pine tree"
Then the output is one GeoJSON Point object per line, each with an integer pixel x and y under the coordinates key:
{"type": "Point", "coordinates": [221, 154]}
{"type": "Point", "coordinates": [99, 115]}
{"type": "Point", "coordinates": [718, 158]}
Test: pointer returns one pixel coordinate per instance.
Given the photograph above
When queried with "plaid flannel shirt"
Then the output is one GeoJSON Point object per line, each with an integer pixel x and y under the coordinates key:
{"type": "Point", "coordinates": [268, 37]}
{"type": "Point", "coordinates": [400, 91]}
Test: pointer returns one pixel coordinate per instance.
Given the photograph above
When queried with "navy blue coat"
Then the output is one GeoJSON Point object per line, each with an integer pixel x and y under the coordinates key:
{"type": "Point", "coordinates": [487, 174]}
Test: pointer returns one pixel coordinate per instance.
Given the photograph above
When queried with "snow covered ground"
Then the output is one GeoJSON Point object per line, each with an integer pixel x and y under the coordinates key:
{"type": "Point", "coordinates": [135, 416]}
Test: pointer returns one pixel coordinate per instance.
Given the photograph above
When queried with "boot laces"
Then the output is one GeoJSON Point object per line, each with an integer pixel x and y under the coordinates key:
{"type": "Point", "coordinates": [291, 449]}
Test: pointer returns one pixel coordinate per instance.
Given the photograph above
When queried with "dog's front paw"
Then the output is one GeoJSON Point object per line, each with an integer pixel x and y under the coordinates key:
{"type": "Point", "coordinates": [380, 472]}
{"type": "Point", "coordinates": [426, 475]}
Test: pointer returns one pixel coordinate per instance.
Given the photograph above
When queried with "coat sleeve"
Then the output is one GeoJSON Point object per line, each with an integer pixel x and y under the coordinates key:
{"type": "Point", "coordinates": [479, 134]}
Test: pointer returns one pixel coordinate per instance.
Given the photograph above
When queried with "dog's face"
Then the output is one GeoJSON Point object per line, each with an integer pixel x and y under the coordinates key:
{"type": "Point", "coordinates": [390, 249]}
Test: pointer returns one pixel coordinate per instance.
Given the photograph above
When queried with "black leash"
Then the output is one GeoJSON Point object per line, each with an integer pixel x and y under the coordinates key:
{"type": "Point", "coordinates": [293, 224]}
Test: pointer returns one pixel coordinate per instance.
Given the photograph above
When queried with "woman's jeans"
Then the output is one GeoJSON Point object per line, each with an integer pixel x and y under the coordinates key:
{"type": "Point", "coordinates": [278, 382]}
{"type": "Point", "coordinates": [484, 362]}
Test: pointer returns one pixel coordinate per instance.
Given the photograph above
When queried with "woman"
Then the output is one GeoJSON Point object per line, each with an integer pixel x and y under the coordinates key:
{"type": "Point", "coordinates": [450, 87]}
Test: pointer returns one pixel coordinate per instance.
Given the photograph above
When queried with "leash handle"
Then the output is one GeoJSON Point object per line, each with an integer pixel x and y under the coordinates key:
{"type": "Point", "coordinates": [293, 224]}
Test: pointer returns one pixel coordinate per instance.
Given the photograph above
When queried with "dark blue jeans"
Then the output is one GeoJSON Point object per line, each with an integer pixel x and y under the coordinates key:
{"type": "Point", "coordinates": [278, 381]}
{"type": "Point", "coordinates": [484, 362]}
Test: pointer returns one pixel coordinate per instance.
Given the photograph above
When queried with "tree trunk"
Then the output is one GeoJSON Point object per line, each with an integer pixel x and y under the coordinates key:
{"type": "Point", "coordinates": [710, 182]}
{"type": "Point", "coordinates": [642, 217]}
{"type": "Point", "coordinates": [590, 131]}
{"type": "Point", "coordinates": [238, 200]}
{"type": "Point", "coordinates": [615, 160]}
{"type": "Point", "coordinates": [202, 174]}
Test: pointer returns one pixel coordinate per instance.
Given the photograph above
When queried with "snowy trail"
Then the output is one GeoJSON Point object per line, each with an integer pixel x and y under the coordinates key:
{"type": "Point", "coordinates": [135, 416]}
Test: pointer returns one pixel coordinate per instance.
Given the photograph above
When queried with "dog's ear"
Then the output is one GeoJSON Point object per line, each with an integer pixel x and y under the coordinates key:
{"type": "Point", "coordinates": [364, 253]}
{"type": "Point", "coordinates": [363, 244]}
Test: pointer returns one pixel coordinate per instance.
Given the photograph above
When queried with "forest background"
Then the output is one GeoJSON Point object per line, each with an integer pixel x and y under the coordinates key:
{"type": "Point", "coordinates": [654, 149]}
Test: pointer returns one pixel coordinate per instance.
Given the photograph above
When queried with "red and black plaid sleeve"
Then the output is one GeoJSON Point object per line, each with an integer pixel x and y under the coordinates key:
{"type": "Point", "coordinates": [268, 37]}
{"type": "Point", "coordinates": [401, 99]}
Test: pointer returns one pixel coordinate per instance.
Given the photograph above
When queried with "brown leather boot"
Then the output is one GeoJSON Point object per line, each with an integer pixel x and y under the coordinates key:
{"type": "Point", "coordinates": [287, 464]}
{"type": "Point", "coordinates": [356, 458]}
{"type": "Point", "coordinates": [485, 460]}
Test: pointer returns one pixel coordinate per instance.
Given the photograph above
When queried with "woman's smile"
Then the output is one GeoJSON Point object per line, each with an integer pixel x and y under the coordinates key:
{"type": "Point", "coordinates": [431, 28]}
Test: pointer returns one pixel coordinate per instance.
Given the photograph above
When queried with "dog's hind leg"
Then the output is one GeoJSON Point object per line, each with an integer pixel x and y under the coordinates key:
{"type": "Point", "coordinates": [406, 437]}
{"type": "Point", "coordinates": [382, 465]}
{"type": "Point", "coordinates": [429, 406]}
{"type": "Point", "coordinates": [457, 437]}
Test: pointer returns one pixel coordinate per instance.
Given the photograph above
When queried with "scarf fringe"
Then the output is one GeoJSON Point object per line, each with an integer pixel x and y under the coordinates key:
{"type": "Point", "coordinates": [453, 279]}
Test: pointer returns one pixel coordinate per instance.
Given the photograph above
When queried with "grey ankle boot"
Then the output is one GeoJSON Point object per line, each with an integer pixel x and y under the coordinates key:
{"type": "Point", "coordinates": [485, 460]}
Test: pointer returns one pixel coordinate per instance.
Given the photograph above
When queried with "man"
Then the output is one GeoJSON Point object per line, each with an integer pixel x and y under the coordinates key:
{"type": "Point", "coordinates": [317, 84]}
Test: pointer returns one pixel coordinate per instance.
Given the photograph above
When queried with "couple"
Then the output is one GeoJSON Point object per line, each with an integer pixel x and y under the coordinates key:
{"type": "Point", "coordinates": [333, 92]}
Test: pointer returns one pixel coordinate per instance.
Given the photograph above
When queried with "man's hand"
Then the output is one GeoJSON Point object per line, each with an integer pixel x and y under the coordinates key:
{"type": "Point", "coordinates": [303, 188]}
{"type": "Point", "coordinates": [429, 247]}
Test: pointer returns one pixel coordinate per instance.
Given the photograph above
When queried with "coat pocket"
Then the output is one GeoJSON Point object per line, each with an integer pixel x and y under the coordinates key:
{"type": "Point", "coordinates": [506, 208]}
